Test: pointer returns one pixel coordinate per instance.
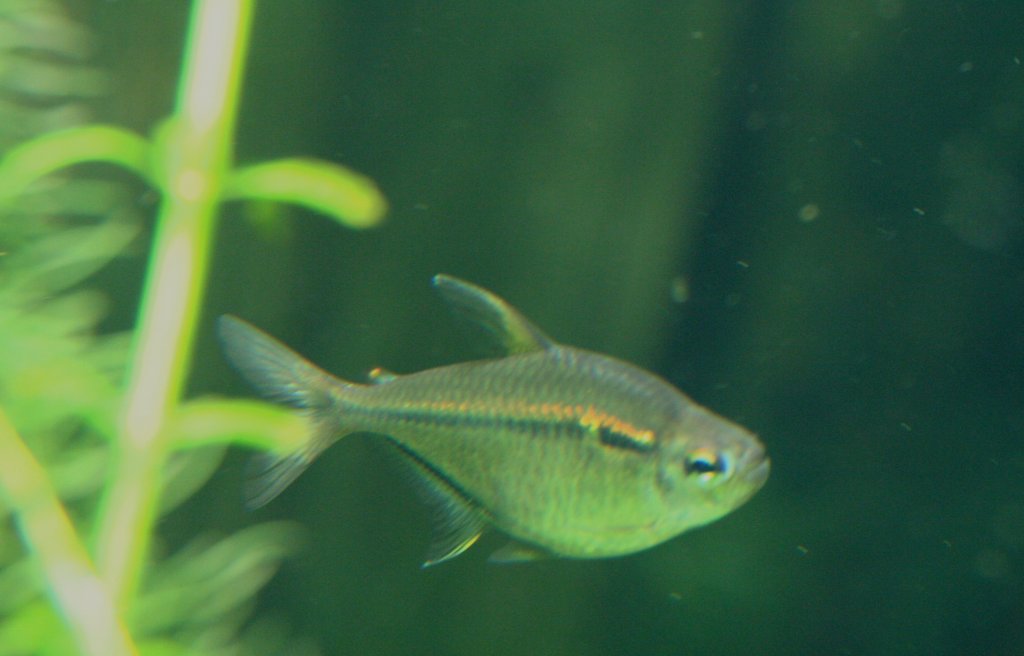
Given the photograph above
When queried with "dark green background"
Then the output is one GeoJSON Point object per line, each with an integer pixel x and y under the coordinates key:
{"type": "Point", "coordinates": [579, 157]}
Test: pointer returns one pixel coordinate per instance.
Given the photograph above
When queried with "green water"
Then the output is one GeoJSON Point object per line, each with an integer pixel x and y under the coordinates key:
{"type": "Point", "coordinates": [807, 215]}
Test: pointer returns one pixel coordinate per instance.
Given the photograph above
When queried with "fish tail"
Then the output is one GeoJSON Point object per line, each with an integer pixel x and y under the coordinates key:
{"type": "Point", "coordinates": [282, 374]}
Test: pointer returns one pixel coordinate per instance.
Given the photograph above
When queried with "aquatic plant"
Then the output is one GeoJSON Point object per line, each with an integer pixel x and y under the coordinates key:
{"type": "Point", "coordinates": [95, 439]}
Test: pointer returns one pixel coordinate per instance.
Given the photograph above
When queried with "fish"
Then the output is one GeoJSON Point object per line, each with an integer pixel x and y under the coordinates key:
{"type": "Point", "coordinates": [570, 453]}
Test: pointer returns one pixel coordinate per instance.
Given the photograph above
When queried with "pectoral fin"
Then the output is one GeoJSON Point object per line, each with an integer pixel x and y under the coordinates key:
{"type": "Point", "coordinates": [516, 333]}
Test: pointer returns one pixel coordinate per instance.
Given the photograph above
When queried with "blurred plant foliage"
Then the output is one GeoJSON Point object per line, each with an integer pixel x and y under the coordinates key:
{"type": "Point", "coordinates": [86, 417]}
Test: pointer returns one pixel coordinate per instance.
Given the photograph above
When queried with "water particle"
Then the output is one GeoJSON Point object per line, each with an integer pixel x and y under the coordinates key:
{"type": "Point", "coordinates": [809, 212]}
{"type": "Point", "coordinates": [679, 289]}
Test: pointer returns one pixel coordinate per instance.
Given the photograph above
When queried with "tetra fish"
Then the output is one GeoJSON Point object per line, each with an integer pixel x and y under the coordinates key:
{"type": "Point", "coordinates": [571, 453]}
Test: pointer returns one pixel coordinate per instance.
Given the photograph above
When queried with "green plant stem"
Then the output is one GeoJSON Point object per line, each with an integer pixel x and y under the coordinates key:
{"type": "Point", "coordinates": [195, 153]}
{"type": "Point", "coordinates": [47, 531]}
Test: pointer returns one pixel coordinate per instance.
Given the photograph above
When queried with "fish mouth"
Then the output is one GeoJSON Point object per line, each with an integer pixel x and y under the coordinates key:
{"type": "Point", "coordinates": [759, 474]}
{"type": "Point", "coordinates": [755, 465]}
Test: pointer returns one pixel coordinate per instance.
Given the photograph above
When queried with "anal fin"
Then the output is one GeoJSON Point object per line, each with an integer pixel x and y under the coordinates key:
{"type": "Point", "coordinates": [457, 524]}
{"type": "Point", "coordinates": [458, 521]}
{"type": "Point", "coordinates": [451, 541]}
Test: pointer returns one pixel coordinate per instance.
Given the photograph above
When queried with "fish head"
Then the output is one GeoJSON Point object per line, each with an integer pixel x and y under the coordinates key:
{"type": "Point", "coordinates": [707, 467]}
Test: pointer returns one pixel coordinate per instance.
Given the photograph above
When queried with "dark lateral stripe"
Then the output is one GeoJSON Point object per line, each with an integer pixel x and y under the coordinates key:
{"type": "Point", "coordinates": [610, 432]}
{"type": "Point", "coordinates": [616, 440]}
{"type": "Point", "coordinates": [472, 420]}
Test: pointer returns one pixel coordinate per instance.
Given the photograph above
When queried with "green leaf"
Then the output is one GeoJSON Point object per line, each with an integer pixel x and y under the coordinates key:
{"type": "Point", "coordinates": [66, 257]}
{"type": "Point", "coordinates": [330, 189]}
{"type": "Point", "coordinates": [34, 159]}
{"type": "Point", "coordinates": [34, 629]}
{"type": "Point", "coordinates": [210, 421]}
{"type": "Point", "coordinates": [185, 472]}
{"type": "Point", "coordinates": [207, 583]}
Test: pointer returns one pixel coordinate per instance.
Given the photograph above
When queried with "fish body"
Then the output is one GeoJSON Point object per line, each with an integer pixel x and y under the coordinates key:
{"type": "Point", "coordinates": [569, 452]}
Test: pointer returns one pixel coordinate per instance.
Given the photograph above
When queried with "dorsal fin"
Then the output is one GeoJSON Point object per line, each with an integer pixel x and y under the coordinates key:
{"type": "Point", "coordinates": [516, 333]}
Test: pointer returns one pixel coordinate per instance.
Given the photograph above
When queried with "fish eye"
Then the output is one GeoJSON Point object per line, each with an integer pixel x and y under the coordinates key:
{"type": "Point", "coordinates": [705, 463]}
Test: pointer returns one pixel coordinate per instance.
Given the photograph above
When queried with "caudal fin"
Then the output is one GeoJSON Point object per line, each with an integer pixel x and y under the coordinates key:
{"type": "Point", "coordinates": [281, 374]}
